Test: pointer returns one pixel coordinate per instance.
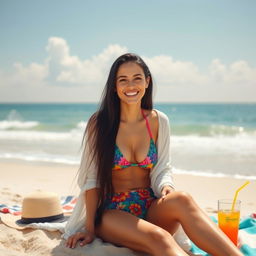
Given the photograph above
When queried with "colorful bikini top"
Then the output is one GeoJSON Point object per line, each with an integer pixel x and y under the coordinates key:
{"type": "Point", "coordinates": [149, 162]}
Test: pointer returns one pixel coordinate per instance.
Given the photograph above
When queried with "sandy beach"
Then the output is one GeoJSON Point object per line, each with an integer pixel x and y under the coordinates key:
{"type": "Point", "coordinates": [20, 179]}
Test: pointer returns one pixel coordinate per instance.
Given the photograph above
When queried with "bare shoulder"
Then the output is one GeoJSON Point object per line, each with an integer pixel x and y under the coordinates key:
{"type": "Point", "coordinates": [152, 117]}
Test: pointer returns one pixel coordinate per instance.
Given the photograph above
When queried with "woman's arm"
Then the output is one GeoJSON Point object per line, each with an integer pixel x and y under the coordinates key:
{"type": "Point", "coordinates": [91, 202]}
{"type": "Point", "coordinates": [87, 234]}
{"type": "Point", "coordinates": [161, 174]}
{"type": "Point", "coordinates": [166, 190]}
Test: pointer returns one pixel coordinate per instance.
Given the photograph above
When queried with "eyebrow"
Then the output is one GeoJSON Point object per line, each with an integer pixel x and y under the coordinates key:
{"type": "Point", "coordinates": [126, 76]}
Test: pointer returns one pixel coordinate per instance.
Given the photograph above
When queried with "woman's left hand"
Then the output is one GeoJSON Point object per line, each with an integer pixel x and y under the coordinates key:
{"type": "Point", "coordinates": [166, 190]}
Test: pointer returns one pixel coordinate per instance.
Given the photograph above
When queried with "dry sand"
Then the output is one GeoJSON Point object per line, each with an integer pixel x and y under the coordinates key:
{"type": "Point", "coordinates": [19, 179]}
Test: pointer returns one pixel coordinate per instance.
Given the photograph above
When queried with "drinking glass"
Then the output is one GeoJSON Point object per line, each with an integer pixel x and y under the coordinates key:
{"type": "Point", "coordinates": [229, 220]}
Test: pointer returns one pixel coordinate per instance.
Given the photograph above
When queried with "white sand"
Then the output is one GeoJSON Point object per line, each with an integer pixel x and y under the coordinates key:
{"type": "Point", "coordinates": [19, 179]}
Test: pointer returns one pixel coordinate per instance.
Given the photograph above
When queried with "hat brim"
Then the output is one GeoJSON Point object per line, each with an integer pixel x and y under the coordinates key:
{"type": "Point", "coordinates": [13, 221]}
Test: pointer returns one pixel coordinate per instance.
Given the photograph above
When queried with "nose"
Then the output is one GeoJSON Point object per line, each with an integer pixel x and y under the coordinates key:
{"type": "Point", "coordinates": [130, 83]}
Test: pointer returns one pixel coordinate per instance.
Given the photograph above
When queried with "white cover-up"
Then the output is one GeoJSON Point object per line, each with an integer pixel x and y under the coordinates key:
{"type": "Point", "coordinates": [160, 175]}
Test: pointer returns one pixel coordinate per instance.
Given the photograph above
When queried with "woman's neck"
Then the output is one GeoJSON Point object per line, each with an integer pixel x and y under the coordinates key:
{"type": "Point", "coordinates": [130, 113]}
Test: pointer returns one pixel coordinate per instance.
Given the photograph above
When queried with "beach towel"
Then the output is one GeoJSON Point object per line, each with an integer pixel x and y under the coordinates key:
{"type": "Point", "coordinates": [67, 203]}
{"type": "Point", "coordinates": [246, 234]}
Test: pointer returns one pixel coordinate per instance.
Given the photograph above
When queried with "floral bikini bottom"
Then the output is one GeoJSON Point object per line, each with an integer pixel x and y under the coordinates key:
{"type": "Point", "coordinates": [135, 202]}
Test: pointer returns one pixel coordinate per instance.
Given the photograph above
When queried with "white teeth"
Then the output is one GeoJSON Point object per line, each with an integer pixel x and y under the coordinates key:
{"type": "Point", "coordinates": [131, 93]}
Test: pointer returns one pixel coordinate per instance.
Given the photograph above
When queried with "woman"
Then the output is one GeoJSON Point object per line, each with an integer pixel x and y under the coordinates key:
{"type": "Point", "coordinates": [127, 194]}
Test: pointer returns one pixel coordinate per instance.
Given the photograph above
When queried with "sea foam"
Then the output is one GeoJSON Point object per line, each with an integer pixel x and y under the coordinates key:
{"type": "Point", "coordinates": [6, 125]}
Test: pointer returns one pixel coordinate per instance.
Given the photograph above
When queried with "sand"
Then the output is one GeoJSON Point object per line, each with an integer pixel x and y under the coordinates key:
{"type": "Point", "coordinates": [20, 179]}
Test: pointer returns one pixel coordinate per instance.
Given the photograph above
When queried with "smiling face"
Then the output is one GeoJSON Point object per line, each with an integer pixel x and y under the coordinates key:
{"type": "Point", "coordinates": [131, 83]}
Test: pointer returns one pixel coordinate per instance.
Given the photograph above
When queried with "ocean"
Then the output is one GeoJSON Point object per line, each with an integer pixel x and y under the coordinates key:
{"type": "Point", "coordinates": [206, 139]}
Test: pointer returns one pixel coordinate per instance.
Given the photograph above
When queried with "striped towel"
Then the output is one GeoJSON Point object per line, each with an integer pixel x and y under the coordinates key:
{"type": "Point", "coordinates": [246, 237]}
{"type": "Point", "coordinates": [67, 202]}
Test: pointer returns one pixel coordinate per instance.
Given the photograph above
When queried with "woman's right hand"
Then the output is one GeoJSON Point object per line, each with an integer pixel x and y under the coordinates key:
{"type": "Point", "coordinates": [84, 238]}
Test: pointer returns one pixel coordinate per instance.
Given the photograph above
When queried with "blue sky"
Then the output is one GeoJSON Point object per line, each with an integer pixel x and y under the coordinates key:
{"type": "Point", "coordinates": [196, 32]}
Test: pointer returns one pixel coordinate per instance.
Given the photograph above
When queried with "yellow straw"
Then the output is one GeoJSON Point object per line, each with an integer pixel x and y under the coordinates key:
{"type": "Point", "coordinates": [236, 194]}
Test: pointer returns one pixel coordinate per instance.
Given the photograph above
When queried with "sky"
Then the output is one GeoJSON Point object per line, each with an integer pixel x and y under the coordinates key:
{"type": "Point", "coordinates": [62, 51]}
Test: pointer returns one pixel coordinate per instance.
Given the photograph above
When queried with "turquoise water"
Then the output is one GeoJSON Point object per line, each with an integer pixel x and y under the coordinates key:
{"type": "Point", "coordinates": [201, 119]}
{"type": "Point", "coordinates": [222, 133]}
{"type": "Point", "coordinates": [211, 119]}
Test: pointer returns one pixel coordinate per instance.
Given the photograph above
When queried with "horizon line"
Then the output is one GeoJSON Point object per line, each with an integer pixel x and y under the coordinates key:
{"type": "Point", "coordinates": [156, 102]}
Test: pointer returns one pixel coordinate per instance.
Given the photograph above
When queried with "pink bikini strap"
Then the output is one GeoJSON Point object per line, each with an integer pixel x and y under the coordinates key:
{"type": "Point", "coordinates": [150, 133]}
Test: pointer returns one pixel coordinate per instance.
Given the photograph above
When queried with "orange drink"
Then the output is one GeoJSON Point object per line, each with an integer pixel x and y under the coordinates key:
{"type": "Point", "coordinates": [229, 220]}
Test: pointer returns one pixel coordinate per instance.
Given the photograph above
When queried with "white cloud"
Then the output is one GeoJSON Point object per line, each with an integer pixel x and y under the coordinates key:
{"type": "Point", "coordinates": [65, 77]}
{"type": "Point", "coordinates": [70, 69]}
{"type": "Point", "coordinates": [236, 73]}
{"type": "Point", "coordinates": [168, 72]}
{"type": "Point", "coordinates": [33, 73]}
{"type": "Point", "coordinates": [23, 75]}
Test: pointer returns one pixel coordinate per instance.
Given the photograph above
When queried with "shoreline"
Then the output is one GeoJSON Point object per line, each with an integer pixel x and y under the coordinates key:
{"type": "Point", "coordinates": [19, 179]}
{"type": "Point", "coordinates": [184, 168]}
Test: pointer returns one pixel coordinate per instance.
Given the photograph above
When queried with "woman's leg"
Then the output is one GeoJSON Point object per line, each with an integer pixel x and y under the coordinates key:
{"type": "Point", "coordinates": [179, 207]}
{"type": "Point", "coordinates": [124, 229]}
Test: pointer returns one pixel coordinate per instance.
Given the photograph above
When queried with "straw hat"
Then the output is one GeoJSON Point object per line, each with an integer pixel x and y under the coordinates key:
{"type": "Point", "coordinates": [38, 207]}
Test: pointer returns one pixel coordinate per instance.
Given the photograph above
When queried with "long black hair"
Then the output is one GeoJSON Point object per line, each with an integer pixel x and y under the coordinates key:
{"type": "Point", "coordinates": [103, 126]}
